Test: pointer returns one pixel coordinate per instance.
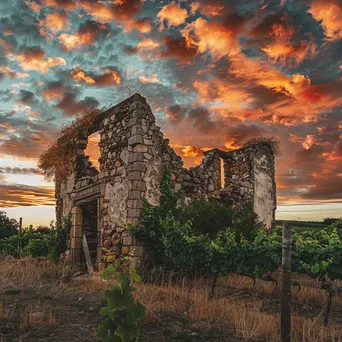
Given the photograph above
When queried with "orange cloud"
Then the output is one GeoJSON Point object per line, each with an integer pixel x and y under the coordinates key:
{"type": "Point", "coordinates": [18, 195]}
{"type": "Point", "coordinates": [53, 23]}
{"type": "Point", "coordinates": [330, 13]}
{"type": "Point", "coordinates": [12, 74]}
{"type": "Point", "coordinates": [107, 78]}
{"type": "Point", "coordinates": [122, 11]}
{"type": "Point", "coordinates": [147, 44]}
{"type": "Point", "coordinates": [86, 34]}
{"type": "Point", "coordinates": [283, 50]}
{"type": "Point", "coordinates": [208, 8]}
{"type": "Point", "coordinates": [172, 14]}
{"type": "Point", "coordinates": [212, 37]}
{"type": "Point", "coordinates": [54, 91]}
{"type": "Point", "coordinates": [79, 75]}
{"type": "Point", "coordinates": [149, 79]}
{"type": "Point", "coordinates": [33, 58]}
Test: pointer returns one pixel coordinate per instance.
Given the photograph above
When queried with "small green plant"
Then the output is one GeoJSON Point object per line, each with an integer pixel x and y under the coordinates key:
{"type": "Point", "coordinates": [122, 313]}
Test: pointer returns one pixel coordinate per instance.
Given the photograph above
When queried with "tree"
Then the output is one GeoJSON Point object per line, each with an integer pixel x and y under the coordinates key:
{"type": "Point", "coordinates": [8, 227]}
{"type": "Point", "coordinates": [331, 220]}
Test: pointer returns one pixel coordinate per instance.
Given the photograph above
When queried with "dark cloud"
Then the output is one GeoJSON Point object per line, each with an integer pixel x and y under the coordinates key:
{"type": "Point", "coordinates": [328, 188]}
{"type": "Point", "coordinates": [265, 25]}
{"type": "Point", "coordinates": [30, 53]}
{"type": "Point", "coordinates": [177, 48]}
{"type": "Point", "coordinates": [31, 145]}
{"type": "Point", "coordinates": [175, 113]}
{"type": "Point", "coordinates": [71, 106]}
{"type": "Point", "coordinates": [26, 97]}
{"type": "Point", "coordinates": [20, 170]}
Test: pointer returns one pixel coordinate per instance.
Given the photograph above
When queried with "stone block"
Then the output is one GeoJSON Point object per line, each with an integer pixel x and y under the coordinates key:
{"type": "Point", "coordinates": [137, 130]}
{"type": "Point", "coordinates": [134, 175]}
{"type": "Point", "coordinates": [133, 122]}
{"type": "Point", "coordinates": [134, 213]}
{"type": "Point", "coordinates": [137, 204]}
{"type": "Point", "coordinates": [211, 188]}
{"type": "Point", "coordinates": [138, 97]}
{"type": "Point", "coordinates": [138, 166]}
{"type": "Point", "coordinates": [139, 113]}
{"type": "Point", "coordinates": [127, 240]}
{"type": "Point", "coordinates": [140, 148]}
{"type": "Point", "coordinates": [135, 221]}
{"type": "Point", "coordinates": [134, 194]}
{"type": "Point", "coordinates": [148, 142]}
{"type": "Point", "coordinates": [76, 243]}
{"type": "Point", "coordinates": [135, 105]}
{"type": "Point", "coordinates": [139, 185]}
{"type": "Point", "coordinates": [125, 250]}
{"type": "Point", "coordinates": [135, 139]}
{"type": "Point", "coordinates": [136, 156]}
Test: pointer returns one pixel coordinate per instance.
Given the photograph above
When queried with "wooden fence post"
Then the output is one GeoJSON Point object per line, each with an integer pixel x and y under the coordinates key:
{"type": "Point", "coordinates": [20, 225]}
{"type": "Point", "coordinates": [285, 309]}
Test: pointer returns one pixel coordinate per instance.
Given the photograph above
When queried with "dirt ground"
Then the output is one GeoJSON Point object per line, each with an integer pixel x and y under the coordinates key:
{"type": "Point", "coordinates": [74, 319]}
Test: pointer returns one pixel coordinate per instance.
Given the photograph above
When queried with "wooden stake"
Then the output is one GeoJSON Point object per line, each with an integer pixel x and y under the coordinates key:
{"type": "Point", "coordinates": [87, 254]}
{"type": "Point", "coordinates": [20, 225]}
{"type": "Point", "coordinates": [285, 309]}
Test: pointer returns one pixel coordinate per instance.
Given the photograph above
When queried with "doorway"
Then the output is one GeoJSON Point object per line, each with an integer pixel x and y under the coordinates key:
{"type": "Point", "coordinates": [85, 228]}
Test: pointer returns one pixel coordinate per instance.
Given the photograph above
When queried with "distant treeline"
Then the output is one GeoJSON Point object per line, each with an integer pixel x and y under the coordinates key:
{"type": "Point", "coordinates": [313, 224]}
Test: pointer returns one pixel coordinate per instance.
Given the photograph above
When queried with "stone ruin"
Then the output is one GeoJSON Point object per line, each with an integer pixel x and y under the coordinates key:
{"type": "Point", "coordinates": [133, 158]}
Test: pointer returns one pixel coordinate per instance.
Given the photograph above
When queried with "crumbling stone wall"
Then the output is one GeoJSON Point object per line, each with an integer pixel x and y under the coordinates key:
{"type": "Point", "coordinates": [133, 158]}
{"type": "Point", "coordinates": [250, 177]}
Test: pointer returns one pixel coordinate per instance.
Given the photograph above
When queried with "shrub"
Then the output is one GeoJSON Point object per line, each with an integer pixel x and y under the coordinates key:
{"type": "Point", "coordinates": [208, 217]}
{"type": "Point", "coordinates": [60, 234]}
{"type": "Point", "coordinates": [38, 247]}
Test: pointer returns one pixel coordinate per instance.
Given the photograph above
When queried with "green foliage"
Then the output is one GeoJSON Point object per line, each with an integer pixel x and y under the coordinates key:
{"type": "Point", "coordinates": [8, 227]}
{"type": "Point", "coordinates": [246, 222]}
{"type": "Point", "coordinates": [182, 238]}
{"type": "Point", "coordinates": [37, 245]}
{"type": "Point", "coordinates": [40, 242]}
{"type": "Point", "coordinates": [60, 234]}
{"type": "Point", "coordinates": [208, 217]}
{"type": "Point", "coordinates": [122, 313]}
{"type": "Point", "coordinates": [331, 220]}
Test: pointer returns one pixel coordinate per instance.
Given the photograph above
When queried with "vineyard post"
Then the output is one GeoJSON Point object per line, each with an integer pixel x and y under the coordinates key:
{"type": "Point", "coordinates": [20, 232]}
{"type": "Point", "coordinates": [285, 310]}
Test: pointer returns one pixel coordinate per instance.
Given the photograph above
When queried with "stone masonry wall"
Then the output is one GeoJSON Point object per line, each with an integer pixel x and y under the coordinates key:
{"type": "Point", "coordinates": [250, 176]}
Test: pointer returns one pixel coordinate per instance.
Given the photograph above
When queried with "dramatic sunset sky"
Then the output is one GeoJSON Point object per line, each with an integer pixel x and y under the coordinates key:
{"type": "Point", "coordinates": [214, 72]}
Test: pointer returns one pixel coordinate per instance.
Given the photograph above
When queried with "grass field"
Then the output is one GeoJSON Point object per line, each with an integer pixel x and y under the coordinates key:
{"type": "Point", "coordinates": [40, 302]}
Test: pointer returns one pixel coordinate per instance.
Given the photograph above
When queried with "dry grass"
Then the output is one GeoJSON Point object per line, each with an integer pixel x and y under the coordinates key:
{"type": "Point", "coordinates": [250, 313]}
{"type": "Point", "coordinates": [37, 315]}
{"type": "Point", "coordinates": [28, 274]}
{"type": "Point", "coordinates": [242, 316]}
